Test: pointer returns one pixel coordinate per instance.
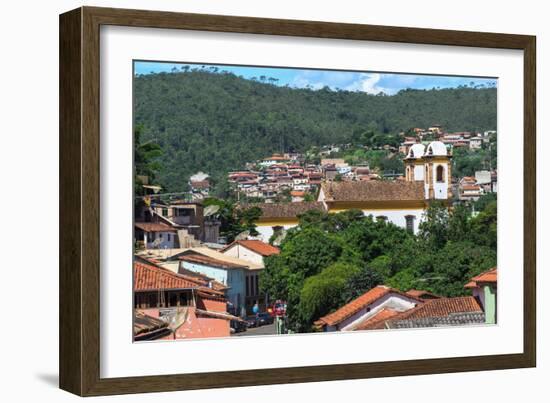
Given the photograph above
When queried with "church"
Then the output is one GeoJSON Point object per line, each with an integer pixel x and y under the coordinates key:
{"type": "Point", "coordinates": [427, 178]}
{"type": "Point", "coordinates": [401, 202]}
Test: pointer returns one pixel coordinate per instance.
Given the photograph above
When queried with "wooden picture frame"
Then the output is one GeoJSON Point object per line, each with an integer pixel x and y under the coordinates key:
{"type": "Point", "coordinates": [80, 186]}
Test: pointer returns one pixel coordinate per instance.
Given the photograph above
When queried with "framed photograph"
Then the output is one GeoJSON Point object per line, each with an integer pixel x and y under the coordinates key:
{"type": "Point", "coordinates": [310, 201]}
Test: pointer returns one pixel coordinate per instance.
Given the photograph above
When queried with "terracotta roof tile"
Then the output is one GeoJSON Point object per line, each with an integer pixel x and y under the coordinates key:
{"type": "Point", "coordinates": [377, 321]}
{"type": "Point", "coordinates": [154, 227]}
{"type": "Point", "coordinates": [148, 277]}
{"type": "Point", "coordinates": [489, 276]}
{"type": "Point", "coordinates": [200, 184]}
{"type": "Point", "coordinates": [359, 303]}
{"type": "Point", "coordinates": [285, 210]}
{"type": "Point", "coordinates": [471, 187]}
{"type": "Point", "coordinates": [441, 307]}
{"type": "Point", "coordinates": [210, 261]}
{"type": "Point", "coordinates": [259, 247]}
{"type": "Point", "coordinates": [422, 294]}
{"type": "Point", "coordinates": [373, 191]}
{"type": "Point", "coordinates": [144, 323]}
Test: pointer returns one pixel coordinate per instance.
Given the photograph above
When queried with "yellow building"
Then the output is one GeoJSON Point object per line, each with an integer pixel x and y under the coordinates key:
{"type": "Point", "coordinates": [427, 177]}
{"type": "Point", "coordinates": [402, 202]}
{"type": "Point", "coordinates": [278, 217]}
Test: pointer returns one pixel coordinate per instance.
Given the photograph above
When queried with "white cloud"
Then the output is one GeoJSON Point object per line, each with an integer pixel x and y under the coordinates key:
{"type": "Point", "coordinates": [369, 83]}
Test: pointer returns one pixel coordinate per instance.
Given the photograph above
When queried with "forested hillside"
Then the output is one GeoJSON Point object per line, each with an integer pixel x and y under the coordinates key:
{"type": "Point", "coordinates": [216, 122]}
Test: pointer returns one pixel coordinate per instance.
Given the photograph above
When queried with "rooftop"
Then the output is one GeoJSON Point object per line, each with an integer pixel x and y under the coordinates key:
{"type": "Point", "coordinates": [149, 277]}
{"type": "Point", "coordinates": [373, 191]}
{"type": "Point", "coordinates": [146, 324]}
{"type": "Point", "coordinates": [441, 307]}
{"type": "Point", "coordinates": [422, 294]}
{"type": "Point", "coordinates": [216, 258]}
{"type": "Point", "coordinates": [358, 304]}
{"type": "Point", "coordinates": [209, 261]}
{"type": "Point", "coordinates": [285, 210]}
{"type": "Point", "coordinates": [259, 247]}
{"type": "Point", "coordinates": [154, 227]}
{"type": "Point", "coordinates": [378, 320]}
{"type": "Point", "coordinates": [489, 276]}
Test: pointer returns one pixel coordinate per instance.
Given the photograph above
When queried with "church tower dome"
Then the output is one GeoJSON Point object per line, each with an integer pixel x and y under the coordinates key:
{"type": "Point", "coordinates": [437, 176]}
{"type": "Point", "coordinates": [414, 163]}
{"type": "Point", "coordinates": [436, 149]}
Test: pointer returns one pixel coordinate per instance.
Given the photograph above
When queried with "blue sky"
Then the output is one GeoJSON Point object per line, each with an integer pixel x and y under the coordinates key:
{"type": "Point", "coordinates": [369, 82]}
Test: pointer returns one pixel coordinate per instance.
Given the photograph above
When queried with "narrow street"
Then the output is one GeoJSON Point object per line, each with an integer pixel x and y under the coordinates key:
{"type": "Point", "coordinates": [259, 331]}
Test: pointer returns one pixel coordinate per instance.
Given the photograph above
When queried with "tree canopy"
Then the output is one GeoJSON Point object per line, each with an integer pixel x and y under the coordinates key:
{"type": "Point", "coordinates": [330, 259]}
{"type": "Point", "coordinates": [215, 121]}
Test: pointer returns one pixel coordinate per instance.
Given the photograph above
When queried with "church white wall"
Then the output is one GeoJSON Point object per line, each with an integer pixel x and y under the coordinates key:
{"type": "Point", "coordinates": [440, 188]}
{"type": "Point", "coordinates": [397, 217]}
{"type": "Point", "coordinates": [419, 172]}
{"type": "Point", "coordinates": [266, 231]}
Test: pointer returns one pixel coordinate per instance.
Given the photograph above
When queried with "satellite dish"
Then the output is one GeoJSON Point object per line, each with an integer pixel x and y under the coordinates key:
{"type": "Point", "coordinates": [211, 210]}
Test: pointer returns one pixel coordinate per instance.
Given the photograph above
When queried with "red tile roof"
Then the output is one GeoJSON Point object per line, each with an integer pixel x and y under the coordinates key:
{"type": "Point", "coordinates": [441, 307]}
{"type": "Point", "coordinates": [149, 277]}
{"type": "Point", "coordinates": [145, 324]}
{"type": "Point", "coordinates": [377, 321]}
{"type": "Point", "coordinates": [471, 187]}
{"type": "Point", "coordinates": [154, 227]}
{"type": "Point", "coordinates": [373, 191]}
{"type": "Point", "coordinates": [205, 184]}
{"type": "Point", "coordinates": [243, 175]}
{"type": "Point", "coordinates": [489, 276]}
{"type": "Point", "coordinates": [284, 210]}
{"type": "Point", "coordinates": [422, 294]}
{"type": "Point", "coordinates": [210, 261]}
{"type": "Point", "coordinates": [359, 303]}
{"type": "Point", "coordinates": [259, 247]}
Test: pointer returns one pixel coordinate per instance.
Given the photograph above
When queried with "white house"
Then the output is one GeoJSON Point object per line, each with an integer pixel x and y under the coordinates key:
{"type": "Point", "coordinates": [380, 300]}
{"type": "Point", "coordinates": [476, 142]}
{"type": "Point", "coordinates": [155, 235]}
{"type": "Point", "coordinates": [228, 270]}
{"type": "Point", "coordinates": [250, 250]}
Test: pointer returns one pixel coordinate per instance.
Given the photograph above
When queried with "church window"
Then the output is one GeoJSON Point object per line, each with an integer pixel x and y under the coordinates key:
{"type": "Point", "coordinates": [410, 222]}
{"type": "Point", "coordinates": [439, 173]}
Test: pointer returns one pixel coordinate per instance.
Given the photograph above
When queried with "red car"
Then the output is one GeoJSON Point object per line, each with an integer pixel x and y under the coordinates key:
{"type": "Point", "coordinates": [278, 308]}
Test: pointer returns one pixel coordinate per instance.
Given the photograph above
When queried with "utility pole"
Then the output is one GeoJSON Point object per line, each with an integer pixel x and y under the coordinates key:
{"type": "Point", "coordinates": [280, 324]}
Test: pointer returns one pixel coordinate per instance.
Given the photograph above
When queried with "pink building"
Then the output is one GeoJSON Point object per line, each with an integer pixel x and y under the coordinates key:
{"type": "Point", "coordinates": [192, 307]}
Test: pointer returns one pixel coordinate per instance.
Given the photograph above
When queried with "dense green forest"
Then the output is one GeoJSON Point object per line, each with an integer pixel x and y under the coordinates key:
{"type": "Point", "coordinates": [214, 121]}
{"type": "Point", "coordinates": [330, 259]}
